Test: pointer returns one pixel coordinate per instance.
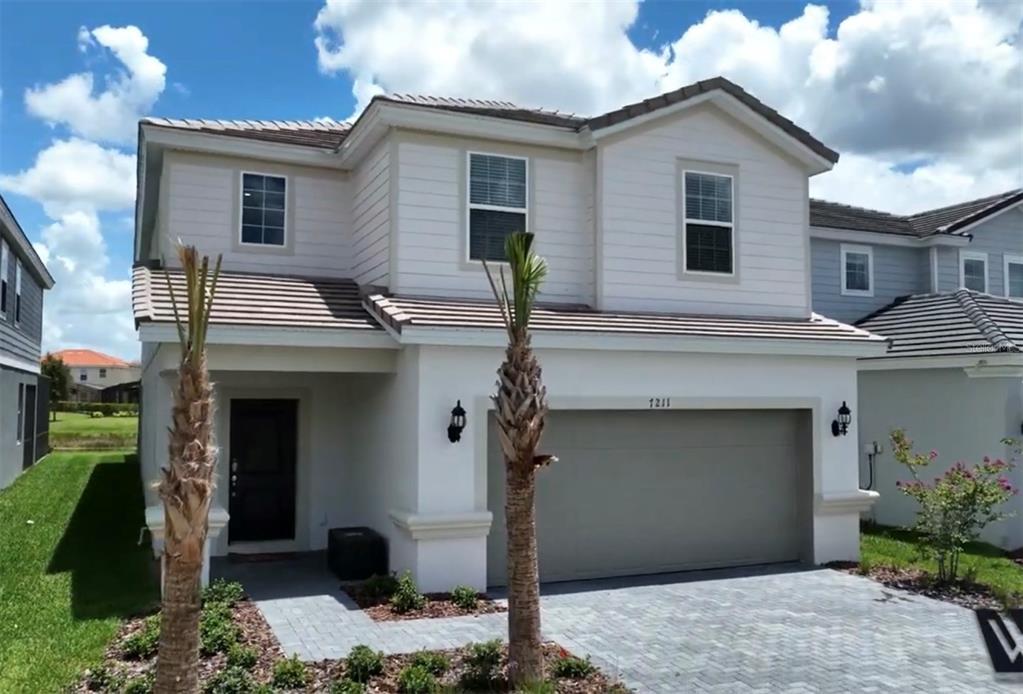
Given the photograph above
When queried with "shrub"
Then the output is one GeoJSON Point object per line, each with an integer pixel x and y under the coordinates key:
{"type": "Point", "coordinates": [435, 663]}
{"type": "Point", "coordinates": [380, 587]}
{"type": "Point", "coordinates": [568, 665]}
{"type": "Point", "coordinates": [139, 685]}
{"type": "Point", "coordinates": [407, 596]}
{"type": "Point", "coordinates": [240, 656]}
{"type": "Point", "coordinates": [217, 631]}
{"type": "Point", "coordinates": [482, 663]}
{"type": "Point", "coordinates": [290, 674]}
{"type": "Point", "coordinates": [956, 506]}
{"type": "Point", "coordinates": [230, 680]}
{"type": "Point", "coordinates": [144, 642]}
{"type": "Point", "coordinates": [416, 679]}
{"type": "Point", "coordinates": [363, 663]}
{"type": "Point", "coordinates": [222, 591]}
{"type": "Point", "coordinates": [102, 679]}
{"type": "Point", "coordinates": [545, 687]}
{"type": "Point", "coordinates": [107, 408]}
{"type": "Point", "coordinates": [347, 686]}
{"type": "Point", "coordinates": [465, 597]}
{"type": "Point", "coordinates": [97, 415]}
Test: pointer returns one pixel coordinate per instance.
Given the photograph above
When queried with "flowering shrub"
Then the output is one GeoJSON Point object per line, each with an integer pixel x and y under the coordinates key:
{"type": "Point", "coordinates": [956, 506]}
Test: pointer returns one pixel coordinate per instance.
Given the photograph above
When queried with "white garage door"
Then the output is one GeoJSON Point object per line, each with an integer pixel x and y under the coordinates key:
{"type": "Point", "coordinates": [638, 492]}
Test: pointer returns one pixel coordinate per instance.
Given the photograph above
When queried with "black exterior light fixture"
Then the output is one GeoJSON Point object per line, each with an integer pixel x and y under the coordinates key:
{"type": "Point", "coordinates": [840, 427]}
{"type": "Point", "coordinates": [457, 423]}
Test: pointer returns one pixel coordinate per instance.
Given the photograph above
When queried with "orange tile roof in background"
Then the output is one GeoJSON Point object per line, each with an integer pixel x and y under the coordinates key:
{"type": "Point", "coordinates": [89, 357]}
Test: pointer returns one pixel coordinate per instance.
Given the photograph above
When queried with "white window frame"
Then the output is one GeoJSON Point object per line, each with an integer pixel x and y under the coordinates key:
{"type": "Point", "coordinates": [470, 206]}
{"type": "Point", "coordinates": [972, 255]}
{"type": "Point", "coordinates": [19, 435]}
{"type": "Point", "coordinates": [241, 207]}
{"type": "Point", "coordinates": [4, 260]}
{"type": "Point", "coordinates": [704, 222]}
{"type": "Point", "coordinates": [846, 250]}
{"type": "Point", "coordinates": [17, 292]}
{"type": "Point", "coordinates": [1007, 261]}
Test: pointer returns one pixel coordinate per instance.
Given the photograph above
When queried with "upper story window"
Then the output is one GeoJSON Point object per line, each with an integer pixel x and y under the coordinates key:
{"type": "Point", "coordinates": [973, 270]}
{"type": "Point", "coordinates": [857, 270]}
{"type": "Point", "coordinates": [102, 373]}
{"type": "Point", "coordinates": [497, 203]}
{"type": "Point", "coordinates": [1014, 276]}
{"type": "Point", "coordinates": [263, 209]}
{"type": "Point", "coordinates": [3, 278]}
{"type": "Point", "coordinates": [17, 292]}
{"type": "Point", "coordinates": [83, 376]}
{"type": "Point", "coordinates": [708, 228]}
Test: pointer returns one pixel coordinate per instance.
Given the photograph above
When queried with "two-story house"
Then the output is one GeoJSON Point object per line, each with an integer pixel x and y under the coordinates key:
{"type": "Point", "coordinates": [699, 407]}
{"type": "Point", "coordinates": [24, 399]}
{"type": "Point", "coordinates": [946, 286]}
{"type": "Point", "coordinates": [96, 376]}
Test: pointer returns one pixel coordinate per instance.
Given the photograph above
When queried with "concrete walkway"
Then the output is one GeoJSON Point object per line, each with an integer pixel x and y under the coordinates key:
{"type": "Point", "coordinates": [718, 631]}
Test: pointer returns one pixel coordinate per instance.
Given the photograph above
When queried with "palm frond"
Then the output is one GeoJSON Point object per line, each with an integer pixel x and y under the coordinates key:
{"type": "Point", "coordinates": [528, 271]}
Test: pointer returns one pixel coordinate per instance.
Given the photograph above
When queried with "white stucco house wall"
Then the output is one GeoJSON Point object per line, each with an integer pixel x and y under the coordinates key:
{"type": "Point", "coordinates": [692, 388]}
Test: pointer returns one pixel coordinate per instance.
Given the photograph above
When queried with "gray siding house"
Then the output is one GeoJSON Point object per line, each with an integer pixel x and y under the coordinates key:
{"type": "Point", "coordinates": [23, 394]}
{"type": "Point", "coordinates": [945, 287]}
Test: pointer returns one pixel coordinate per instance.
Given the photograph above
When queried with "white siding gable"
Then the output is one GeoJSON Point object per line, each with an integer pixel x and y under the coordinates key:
{"type": "Point", "coordinates": [371, 217]}
{"type": "Point", "coordinates": [639, 266]}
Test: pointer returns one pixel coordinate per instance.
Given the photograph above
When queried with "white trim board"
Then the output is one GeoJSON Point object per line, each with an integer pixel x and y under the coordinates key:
{"type": "Point", "coordinates": [275, 337]}
{"type": "Point", "coordinates": [883, 239]}
{"type": "Point", "coordinates": [19, 364]}
{"type": "Point", "coordinates": [961, 361]}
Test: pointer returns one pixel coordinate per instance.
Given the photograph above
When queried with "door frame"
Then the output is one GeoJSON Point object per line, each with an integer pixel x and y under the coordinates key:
{"type": "Point", "coordinates": [302, 467]}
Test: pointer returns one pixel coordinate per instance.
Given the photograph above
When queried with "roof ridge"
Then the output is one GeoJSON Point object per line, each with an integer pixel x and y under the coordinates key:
{"type": "Point", "coordinates": [859, 207]}
{"type": "Point", "coordinates": [988, 328]}
{"type": "Point", "coordinates": [994, 198]}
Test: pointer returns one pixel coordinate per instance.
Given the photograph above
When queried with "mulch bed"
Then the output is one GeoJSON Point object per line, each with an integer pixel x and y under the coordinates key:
{"type": "Point", "coordinates": [963, 593]}
{"type": "Point", "coordinates": [437, 605]}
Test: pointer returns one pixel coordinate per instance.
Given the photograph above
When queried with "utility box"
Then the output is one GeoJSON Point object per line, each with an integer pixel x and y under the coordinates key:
{"type": "Point", "coordinates": [355, 554]}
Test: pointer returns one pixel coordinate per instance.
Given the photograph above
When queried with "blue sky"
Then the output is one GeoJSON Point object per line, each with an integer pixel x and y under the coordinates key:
{"type": "Point", "coordinates": [850, 73]}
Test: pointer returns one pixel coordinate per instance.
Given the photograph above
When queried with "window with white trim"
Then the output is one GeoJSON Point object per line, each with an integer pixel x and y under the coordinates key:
{"type": "Point", "coordinates": [83, 376]}
{"type": "Point", "coordinates": [497, 203]}
{"type": "Point", "coordinates": [263, 203]}
{"type": "Point", "coordinates": [708, 228]}
{"type": "Point", "coordinates": [18, 434]}
{"type": "Point", "coordinates": [1014, 276]}
{"type": "Point", "coordinates": [102, 373]}
{"type": "Point", "coordinates": [17, 292]}
{"type": "Point", "coordinates": [857, 270]}
{"type": "Point", "coordinates": [3, 278]}
{"type": "Point", "coordinates": [973, 270]}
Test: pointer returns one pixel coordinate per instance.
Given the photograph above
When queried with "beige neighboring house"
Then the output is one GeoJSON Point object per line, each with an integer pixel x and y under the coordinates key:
{"type": "Point", "coordinates": [97, 370]}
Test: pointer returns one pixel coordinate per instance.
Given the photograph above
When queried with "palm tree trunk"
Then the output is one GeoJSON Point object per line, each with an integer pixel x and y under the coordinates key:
{"type": "Point", "coordinates": [525, 657]}
{"type": "Point", "coordinates": [177, 668]}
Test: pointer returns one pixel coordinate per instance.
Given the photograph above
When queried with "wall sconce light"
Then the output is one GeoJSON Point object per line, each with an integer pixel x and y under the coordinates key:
{"type": "Point", "coordinates": [840, 427]}
{"type": "Point", "coordinates": [457, 423]}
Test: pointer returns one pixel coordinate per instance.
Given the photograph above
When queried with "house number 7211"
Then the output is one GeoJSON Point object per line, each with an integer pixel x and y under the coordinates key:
{"type": "Point", "coordinates": [657, 403]}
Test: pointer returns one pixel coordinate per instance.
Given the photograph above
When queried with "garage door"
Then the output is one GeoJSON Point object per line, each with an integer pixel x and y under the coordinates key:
{"type": "Point", "coordinates": [638, 492]}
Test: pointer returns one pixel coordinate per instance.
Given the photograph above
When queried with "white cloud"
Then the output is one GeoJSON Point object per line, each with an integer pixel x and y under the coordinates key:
{"type": "Point", "coordinates": [75, 174]}
{"type": "Point", "coordinates": [939, 81]}
{"type": "Point", "coordinates": [110, 115]}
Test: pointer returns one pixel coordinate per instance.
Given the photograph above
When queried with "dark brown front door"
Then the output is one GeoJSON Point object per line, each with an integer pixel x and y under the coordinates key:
{"type": "Point", "coordinates": [262, 474]}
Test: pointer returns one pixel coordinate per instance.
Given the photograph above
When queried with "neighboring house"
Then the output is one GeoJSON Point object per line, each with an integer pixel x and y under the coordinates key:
{"type": "Point", "coordinates": [24, 399]}
{"type": "Point", "coordinates": [692, 390]}
{"type": "Point", "coordinates": [946, 286]}
{"type": "Point", "coordinates": [97, 370]}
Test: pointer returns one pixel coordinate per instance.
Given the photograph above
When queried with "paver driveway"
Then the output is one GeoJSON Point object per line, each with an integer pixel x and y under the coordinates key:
{"type": "Point", "coordinates": [768, 630]}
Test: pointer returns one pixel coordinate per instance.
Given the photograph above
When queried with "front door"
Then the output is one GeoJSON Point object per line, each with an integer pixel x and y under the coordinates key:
{"type": "Point", "coordinates": [262, 476]}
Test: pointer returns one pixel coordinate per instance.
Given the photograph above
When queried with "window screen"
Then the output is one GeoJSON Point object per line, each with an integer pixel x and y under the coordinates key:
{"type": "Point", "coordinates": [857, 272]}
{"type": "Point", "coordinates": [975, 274]}
{"type": "Point", "coordinates": [497, 203]}
{"type": "Point", "coordinates": [708, 225]}
{"type": "Point", "coordinates": [263, 209]}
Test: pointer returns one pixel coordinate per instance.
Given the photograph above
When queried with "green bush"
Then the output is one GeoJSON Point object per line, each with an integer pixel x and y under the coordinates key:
{"type": "Point", "coordinates": [222, 591]}
{"type": "Point", "coordinates": [347, 686]}
{"type": "Point", "coordinates": [102, 679]}
{"type": "Point", "coordinates": [107, 408]}
{"type": "Point", "coordinates": [572, 667]}
{"type": "Point", "coordinates": [240, 656]}
{"type": "Point", "coordinates": [363, 663]}
{"type": "Point", "coordinates": [144, 642]}
{"type": "Point", "coordinates": [230, 680]}
{"type": "Point", "coordinates": [465, 597]}
{"type": "Point", "coordinates": [290, 674]}
{"type": "Point", "coordinates": [435, 663]}
{"type": "Point", "coordinates": [416, 679]}
{"type": "Point", "coordinates": [97, 415]}
{"type": "Point", "coordinates": [407, 597]}
{"type": "Point", "coordinates": [482, 663]}
{"type": "Point", "coordinates": [217, 630]}
{"type": "Point", "coordinates": [139, 685]}
{"type": "Point", "coordinates": [545, 687]}
{"type": "Point", "coordinates": [380, 587]}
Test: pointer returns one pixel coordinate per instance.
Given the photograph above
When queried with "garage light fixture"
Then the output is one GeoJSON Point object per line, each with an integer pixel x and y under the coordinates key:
{"type": "Point", "coordinates": [457, 423]}
{"type": "Point", "coordinates": [840, 427]}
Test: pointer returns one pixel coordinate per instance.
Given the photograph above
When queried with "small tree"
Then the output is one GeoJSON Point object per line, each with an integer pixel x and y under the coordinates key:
{"type": "Point", "coordinates": [956, 506]}
{"type": "Point", "coordinates": [59, 375]}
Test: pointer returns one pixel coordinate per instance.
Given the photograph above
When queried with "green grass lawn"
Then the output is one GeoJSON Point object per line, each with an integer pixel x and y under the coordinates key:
{"type": "Point", "coordinates": [78, 430]}
{"type": "Point", "coordinates": [885, 546]}
{"type": "Point", "coordinates": [70, 566]}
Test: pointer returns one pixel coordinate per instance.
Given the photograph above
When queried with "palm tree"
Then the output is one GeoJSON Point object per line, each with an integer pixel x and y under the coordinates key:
{"type": "Point", "coordinates": [186, 486]}
{"type": "Point", "coordinates": [521, 402]}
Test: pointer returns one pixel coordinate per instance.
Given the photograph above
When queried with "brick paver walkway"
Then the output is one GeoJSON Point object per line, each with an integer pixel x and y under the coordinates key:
{"type": "Point", "coordinates": [769, 631]}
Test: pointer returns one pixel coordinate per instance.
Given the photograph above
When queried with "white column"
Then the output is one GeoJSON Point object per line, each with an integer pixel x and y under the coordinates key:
{"type": "Point", "coordinates": [156, 523]}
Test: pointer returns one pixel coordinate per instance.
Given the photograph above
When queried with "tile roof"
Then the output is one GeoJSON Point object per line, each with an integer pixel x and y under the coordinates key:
{"type": "Point", "coordinates": [78, 358]}
{"type": "Point", "coordinates": [400, 312]}
{"type": "Point", "coordinates": [257, 300]}
{"type": "Point", "coordinates": [943, 220]}
{"type": "Point", "coordinates": [959, 323]}
{"type": "Point", "coordinates": [330, 134]}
